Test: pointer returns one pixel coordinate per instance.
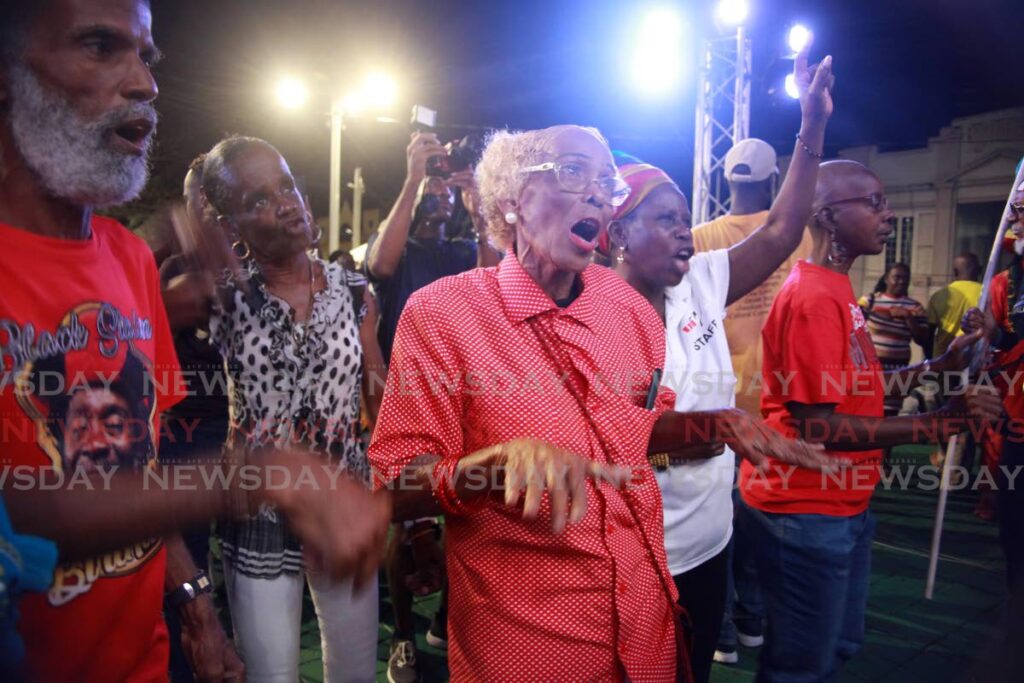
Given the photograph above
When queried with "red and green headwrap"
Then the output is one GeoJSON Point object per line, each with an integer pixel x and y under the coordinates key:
{"type": "Point", "coordinates": [642, 180]}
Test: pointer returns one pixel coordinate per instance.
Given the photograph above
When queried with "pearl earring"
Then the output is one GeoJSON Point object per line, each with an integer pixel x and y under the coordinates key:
{"type": "Point", "coordinates": [511, 217]}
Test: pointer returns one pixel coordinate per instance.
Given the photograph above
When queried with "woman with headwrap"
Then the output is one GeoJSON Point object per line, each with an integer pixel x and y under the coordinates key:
{"type": "Point", "coordinates": [653, 251]}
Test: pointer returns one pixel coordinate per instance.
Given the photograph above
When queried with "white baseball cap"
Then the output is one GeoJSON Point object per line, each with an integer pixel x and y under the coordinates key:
{"type": "Point", "coordinates": [757, 155]}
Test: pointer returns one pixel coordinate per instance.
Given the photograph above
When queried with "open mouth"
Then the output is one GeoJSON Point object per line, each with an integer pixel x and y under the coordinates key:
{"type": "Point", "coordinates": [683, 255]}
{"type": "Point", "coordinates": [587, 229]}
{"type": "Point", "coordinates": [296, 225]}
{"type": "Point", "coordinates": [135, 132]}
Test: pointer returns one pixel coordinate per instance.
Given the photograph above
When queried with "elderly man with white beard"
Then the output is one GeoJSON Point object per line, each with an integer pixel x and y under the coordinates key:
{"type": "Point", "coordinates": [80, 313]}
{"type": "Point", "coordinates": [76, 126]}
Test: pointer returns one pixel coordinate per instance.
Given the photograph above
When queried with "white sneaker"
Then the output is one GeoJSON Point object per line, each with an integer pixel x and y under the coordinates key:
{"type": "Point", "coordinates": [727, 656]}
{"type": "Point", "coordinates": [747, 640]}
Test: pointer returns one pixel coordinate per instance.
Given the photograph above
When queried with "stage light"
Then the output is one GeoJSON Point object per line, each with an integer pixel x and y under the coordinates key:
{"type": "Point", "coordinates": [733, 12]}
{"type": "Point", "coordinates": [791, 88]}
{"type": "Point", "coordinates": [655, 57]}
{"type": "Point", "coordinates": [291, 93]}
{"type": "Point", "coordinates": [798, 37]}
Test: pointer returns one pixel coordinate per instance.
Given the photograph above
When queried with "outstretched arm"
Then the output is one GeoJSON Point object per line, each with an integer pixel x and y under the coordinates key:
{"type": "Point", "coordinates": [754, 259]}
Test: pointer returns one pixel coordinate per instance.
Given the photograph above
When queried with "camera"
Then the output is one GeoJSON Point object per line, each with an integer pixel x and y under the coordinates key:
{"type": "Point", "coordinates": [459, 155]}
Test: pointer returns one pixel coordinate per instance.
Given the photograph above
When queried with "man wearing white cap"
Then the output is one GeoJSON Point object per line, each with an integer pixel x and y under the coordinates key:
{"type": "Point", "coordinates": [752, 173]}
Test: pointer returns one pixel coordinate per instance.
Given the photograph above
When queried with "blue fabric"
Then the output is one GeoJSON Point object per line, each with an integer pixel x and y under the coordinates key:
{"type": "Point", "coordinates": [814, 572]}
{"type": "Point", "coordinates": [744, 607]}
{"type": "Point", "coordinates": [423, 262]}
{"type": "Point", "coordinates": [26, 564]}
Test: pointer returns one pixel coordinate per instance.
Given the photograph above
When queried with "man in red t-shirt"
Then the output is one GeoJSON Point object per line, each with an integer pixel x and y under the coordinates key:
{"type": "Point", "coordinates": [823, 382]}
{"type": "Point", "coordinates": [86, 357]}
{"type": "Point", "coordinates": [87, 364]}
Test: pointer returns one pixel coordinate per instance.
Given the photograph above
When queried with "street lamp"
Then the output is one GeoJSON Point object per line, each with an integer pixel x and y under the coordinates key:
{"type": "Point", "coordinates": [377, 91]}
{"type": "Point", "coordinates": [291, 93]}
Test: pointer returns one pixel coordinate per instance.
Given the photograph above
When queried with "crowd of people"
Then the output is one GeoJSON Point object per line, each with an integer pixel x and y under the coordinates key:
{"type": "Point", "coordinates": [507, 402]}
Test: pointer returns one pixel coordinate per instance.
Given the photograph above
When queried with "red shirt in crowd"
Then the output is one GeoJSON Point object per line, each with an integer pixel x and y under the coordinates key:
{"type": "Point", "coordinates": [467, 372]}
{"type": "Point", "coordinates": [1009, 362]}
{"type": "Point", "coordinates": [86, 364]}
{"type": "Point", "coordinates": [816, 350]}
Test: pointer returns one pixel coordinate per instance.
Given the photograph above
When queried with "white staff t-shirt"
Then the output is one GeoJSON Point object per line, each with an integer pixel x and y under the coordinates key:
{"type": "Point", "coordinates": [697, 495]}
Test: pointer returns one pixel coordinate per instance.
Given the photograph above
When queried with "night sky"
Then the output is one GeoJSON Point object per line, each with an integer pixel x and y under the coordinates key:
{"type": "Point", "coordinates": [904, 69]}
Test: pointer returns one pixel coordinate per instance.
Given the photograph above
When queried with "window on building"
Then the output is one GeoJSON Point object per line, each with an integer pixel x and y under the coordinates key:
{"type": "Point", "coordinates": [891, 244]}
{"type": "Point", "coordinates": [906, 239]}
{"type": "Point", "coordinates": [900, 245]}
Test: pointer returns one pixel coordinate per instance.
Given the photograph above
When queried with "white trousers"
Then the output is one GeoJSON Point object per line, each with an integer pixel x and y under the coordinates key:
{"type": "Point", "coordinates": [267, 617]}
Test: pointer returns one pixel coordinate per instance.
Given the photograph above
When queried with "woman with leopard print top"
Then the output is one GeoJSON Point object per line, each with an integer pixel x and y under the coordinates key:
{"type": "Point", "coordinates": [300, 348]}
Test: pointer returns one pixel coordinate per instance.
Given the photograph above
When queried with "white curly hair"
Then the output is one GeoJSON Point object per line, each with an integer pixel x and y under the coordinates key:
{"type": "Point", "coordinates": [498, 173]}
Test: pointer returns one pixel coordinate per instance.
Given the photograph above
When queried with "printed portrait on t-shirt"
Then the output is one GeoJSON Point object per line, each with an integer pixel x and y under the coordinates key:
{"type": "Point", "coordinates": [88, 391]}
{"type": "Point", "coordinates": [98, 421]}
{"type": "Point", "coordinates": [88, 396]}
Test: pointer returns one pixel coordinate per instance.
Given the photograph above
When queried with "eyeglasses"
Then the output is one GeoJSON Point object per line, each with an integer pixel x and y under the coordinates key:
{"type": "Point", "coordinates": [1017, 208]}
{"type": "Point", "coordinates": [878, 201]}
{"type": "Point", "coordinates": [575, 177]}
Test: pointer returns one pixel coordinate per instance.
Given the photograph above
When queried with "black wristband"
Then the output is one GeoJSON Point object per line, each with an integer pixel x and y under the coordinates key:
{"type": "Point", "coordinates": [189, 591]}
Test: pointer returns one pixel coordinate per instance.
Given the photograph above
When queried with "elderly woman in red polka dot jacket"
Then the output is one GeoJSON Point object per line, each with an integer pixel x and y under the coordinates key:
{"type": "Point", "coordinates": [522, 403]}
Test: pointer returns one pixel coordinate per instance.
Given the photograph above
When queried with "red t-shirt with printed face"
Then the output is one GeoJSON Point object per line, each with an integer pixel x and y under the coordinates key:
{"type": "Point", "coordinates": [816, 350]}
{"type": "Point", "coordinates": [86, 365]}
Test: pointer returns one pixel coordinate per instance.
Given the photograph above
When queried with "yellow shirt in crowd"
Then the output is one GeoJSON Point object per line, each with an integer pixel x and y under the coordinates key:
{"type": "Point", "coordinates": [745, 317]}
{"type": "Point", "coordinates": [946, 309]}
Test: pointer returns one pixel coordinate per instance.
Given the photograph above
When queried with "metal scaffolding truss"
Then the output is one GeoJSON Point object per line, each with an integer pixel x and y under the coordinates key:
{"type": "Point", "coordinates": [723, 119]}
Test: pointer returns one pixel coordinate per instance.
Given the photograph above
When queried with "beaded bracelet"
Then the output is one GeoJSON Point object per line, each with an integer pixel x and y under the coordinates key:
{"type": "Point", "coordinates": [808, 149]}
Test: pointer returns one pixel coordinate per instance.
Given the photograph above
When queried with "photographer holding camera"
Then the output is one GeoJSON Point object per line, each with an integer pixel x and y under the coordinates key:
{"type": "Point", "coordinates": [425, 237]}
{"type": "Point", "coordinates": [418, 242]}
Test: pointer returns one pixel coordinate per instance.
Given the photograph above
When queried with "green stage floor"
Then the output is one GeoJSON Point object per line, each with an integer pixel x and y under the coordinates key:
{"type": "Point", "coordinates": [908, 638]}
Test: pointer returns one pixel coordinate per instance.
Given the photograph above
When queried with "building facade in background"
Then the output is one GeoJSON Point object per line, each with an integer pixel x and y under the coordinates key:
{"type": "Point", "coordinates": [948, 197]}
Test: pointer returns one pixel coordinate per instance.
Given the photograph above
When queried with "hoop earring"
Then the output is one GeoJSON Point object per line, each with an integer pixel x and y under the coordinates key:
{"type": "Point", "coordinates": [234, 248]}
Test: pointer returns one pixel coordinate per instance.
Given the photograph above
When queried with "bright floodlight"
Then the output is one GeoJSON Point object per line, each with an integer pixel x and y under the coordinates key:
{"type": "Point", "coordinates": [733, 12]}
{"type": "Point", "coordinates": [291, 93]}
{"type": "Point", "coordinates": [791, 88]}
{"type": "Point", "coordinates": [378, 90]}
{"type": "Point", "coordinates": [656, 54]}
{"type": "Point", "coordinates": [798, 37]}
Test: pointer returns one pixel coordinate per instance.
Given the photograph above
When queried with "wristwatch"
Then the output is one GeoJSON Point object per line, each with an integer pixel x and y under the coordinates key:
{"type": "Point", "coordinates": [189, 591]}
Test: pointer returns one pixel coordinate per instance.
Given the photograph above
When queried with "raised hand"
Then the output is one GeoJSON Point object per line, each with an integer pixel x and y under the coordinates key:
{"type": "Point", "coordinates": [814, 83]}
{"type": "Point", "coordinates": [421, 147]}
